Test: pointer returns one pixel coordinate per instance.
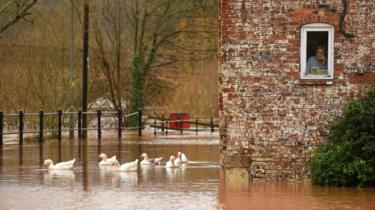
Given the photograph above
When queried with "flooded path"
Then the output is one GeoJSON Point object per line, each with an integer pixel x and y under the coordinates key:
{"type": "Point", "coordinates": [199, 185]}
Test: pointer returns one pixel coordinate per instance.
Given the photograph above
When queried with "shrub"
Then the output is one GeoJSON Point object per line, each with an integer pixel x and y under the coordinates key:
{"type": "Point", "coordinates": [348, 159]}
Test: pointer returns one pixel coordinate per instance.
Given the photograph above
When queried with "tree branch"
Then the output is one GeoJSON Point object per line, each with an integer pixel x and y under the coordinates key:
{"type": "Point", "coordinates": [20, 15]}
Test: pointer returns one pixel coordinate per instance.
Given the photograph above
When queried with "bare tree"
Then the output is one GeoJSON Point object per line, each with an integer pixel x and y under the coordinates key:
{"type": "Point", "coordinates": [135, 39]}
{"type": "Point", "coordinates": [162, 31]}
{"type": "Point", "coordinates": [12, 11]}
{"type": "Point", "coordinates": [108, 53]}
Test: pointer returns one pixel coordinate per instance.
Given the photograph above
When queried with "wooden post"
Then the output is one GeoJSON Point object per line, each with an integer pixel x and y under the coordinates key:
{"type": "Point", "coordinates": [99, 114]}
{"type": "Point", "coordinates": [1, 127]}
{"type": "Point", "coordinates": [71, 70]}
{"type": "Point", "coordinates": [79, 124]}
{"type": "Point", "coordinates": [181, 129]}
{"type": "Point", "coordinates": [166, 127]}
{"type": "Point", "coordinates": [20, 128]}
{"type": "Point", "coordinates": [59, 124]}
{"type": "Point", "coordinates": [162, 124]}
{"type": "Point", "coordinates": [139, 122]}
{"type": "Point", "coordinates": [119, 116]}
{"type": "Point", "coordinates": [154, 127]}
{"type": "Point", "coordinates": [41, 125]}
{"type": "Point", "coordinates": [85, 66]}
{"type": "Point", "coordinates": [196, 126]}
{"type": "Point", "coordinates": [212, 125]}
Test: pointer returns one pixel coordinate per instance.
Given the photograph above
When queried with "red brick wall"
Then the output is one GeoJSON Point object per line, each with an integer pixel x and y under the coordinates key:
{"type": "Point", "coordinates": [266, 111]}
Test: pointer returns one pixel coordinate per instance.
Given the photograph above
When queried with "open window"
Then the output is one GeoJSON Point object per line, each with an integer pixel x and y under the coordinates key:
{"type": "Point", "coordinates": [317, 51]}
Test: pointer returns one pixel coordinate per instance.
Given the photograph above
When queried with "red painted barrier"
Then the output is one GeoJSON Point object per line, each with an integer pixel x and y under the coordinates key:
{"type": "Point", "coordinates": [179, 116]}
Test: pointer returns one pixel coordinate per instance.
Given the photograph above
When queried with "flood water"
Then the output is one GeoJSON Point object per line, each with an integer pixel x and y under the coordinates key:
{"type": "Point", "coordinates": [24, 184]}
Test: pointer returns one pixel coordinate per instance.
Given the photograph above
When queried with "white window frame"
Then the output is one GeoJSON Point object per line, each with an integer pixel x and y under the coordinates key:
{"type": "Point", "coordinates": [303, 51]}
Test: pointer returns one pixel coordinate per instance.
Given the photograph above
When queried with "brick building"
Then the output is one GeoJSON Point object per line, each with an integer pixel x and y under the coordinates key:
{"type": "Point", "coordinates": [287, 68]}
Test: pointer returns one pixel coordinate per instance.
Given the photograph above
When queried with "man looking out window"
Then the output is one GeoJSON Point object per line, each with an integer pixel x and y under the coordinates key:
{"type": "Point", "coordinates": [317, 65]}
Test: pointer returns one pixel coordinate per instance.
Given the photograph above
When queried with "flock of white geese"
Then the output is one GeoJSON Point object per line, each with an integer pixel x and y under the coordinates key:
{"type": "Point", "coordinates": [126, 167]}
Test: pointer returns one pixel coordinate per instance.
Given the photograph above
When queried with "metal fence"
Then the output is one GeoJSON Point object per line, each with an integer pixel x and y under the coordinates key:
{"type": "Point", "coordinates": [196, 125]}
{"type": "Point", "coordinates": [161, 124]}
{"type": "Point", "coordinates": [121, 117]}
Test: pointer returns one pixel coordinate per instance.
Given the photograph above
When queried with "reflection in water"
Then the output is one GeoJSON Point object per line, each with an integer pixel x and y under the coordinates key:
{"type": "Point", "coordinates": [135, 150]}
{"type": "Point", "coordinates": [85, 180]}
{"type": "Point", "coordinates": [99, 146]}
{"type": "Point", "coordinates": [183, 168]}
{"type": "Point", "coordinates": [271, 195]}
{"type": "Point", "coordinates": [147, 171]}
{"type": "Point", "coordinates": [171, 174]}
{"type": "Point", "coordinates": [118, 156]}
{"type": "Point", "coordinates": [41, 163]}
{"type": "Point", "coordinates": [159, 171]}
{"type": "Point", "coordinates": [197, 185]}
{"type": "Point", "coordinates": [104, 171]}
{"type": "Point", "coordinates": [20, 161]}
{"type": "Point", "coordinates": [124, 178]}
{"type": "Point", "coordinates": [59, 151]}
{"type": "Point", "coordinates": [20, 156]}
{"type": "Point", "coordinates": [41, 157]}
{"type": "Point", "coordinates": [59, 177]}
{"type": "Point", "coordinates": [79, 149]}
{"type": "Point", "coordinates": [1, 158]}
{"type": "Point", "coordinates": [71, 148]}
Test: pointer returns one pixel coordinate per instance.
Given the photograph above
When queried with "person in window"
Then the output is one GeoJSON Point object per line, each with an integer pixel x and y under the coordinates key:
{"type": "Point", "coordinates": [317, 65]}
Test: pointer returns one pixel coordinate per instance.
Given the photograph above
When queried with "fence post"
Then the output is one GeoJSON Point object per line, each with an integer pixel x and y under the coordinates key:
{"type": "Point", "coordinates": [79, 124]}
{"type": "Point", "coordinates": [154, 127]}
{"type": "Point", "coordinates": [41, 126]}
{"type": "Point", "coordinates": [1, 127]}
{"type": "Point", "coordinates": [196, 126]}
{"type": "Point", "coordinates": [59, 124]}
{"type": "Point", "coordinates": [139, 122]}
{"type": "Point", "coordinates": [99, 114]}
{"type": "Point", "coordinates": [119, 115]}
{"type": "Point", "coordinates": [212, 125]}
{"type": "Point", "coordinates": [181, 129]}
{"type": "Point", "coordinates": [20, 117]}
{"type": "Point", "coordinates": [166, 127]}
{"type": "Point", "coordinates": [162, 124]}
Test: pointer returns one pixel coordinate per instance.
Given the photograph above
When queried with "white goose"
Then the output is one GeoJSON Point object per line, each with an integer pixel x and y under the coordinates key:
{"type": "Point", "coordinates": [68, 165]}
{"type": "Point", "coordinates": [157, 161]}
{"type": "Point", "coordinates": [171, 163]}
{"type": "Point", "coordinates": [150, 161]}
{"type": "Point", "coordinates": [106, 161]}
{"type": "Point", "coordinates": [178, 160]}
{"type": "Point", "coordinates": [181, 158]}
{"type": "Point", "coordinates": [130, 166]}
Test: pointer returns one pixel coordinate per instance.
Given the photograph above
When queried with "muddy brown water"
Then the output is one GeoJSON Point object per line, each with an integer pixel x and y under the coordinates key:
{"type": "Point", "coordinates": [200, 185]}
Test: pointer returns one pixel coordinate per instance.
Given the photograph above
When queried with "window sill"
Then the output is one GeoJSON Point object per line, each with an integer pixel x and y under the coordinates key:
{"type": "Point", "coordinates": [316, 81]}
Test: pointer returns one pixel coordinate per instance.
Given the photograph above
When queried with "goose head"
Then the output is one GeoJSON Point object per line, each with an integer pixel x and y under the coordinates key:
{"type": "Point", "coordinates": [179, 154]}
{"type": "Point", "coordinates": [48, 162]}
{"type": "Point", "coordinates": [103, 156]}
{"type": "Point", "coordinates": [172, 158]}
{"type": "Point", "coordinates": [115, 163]}
{"type": "Point", "coordinates": [144, 156]}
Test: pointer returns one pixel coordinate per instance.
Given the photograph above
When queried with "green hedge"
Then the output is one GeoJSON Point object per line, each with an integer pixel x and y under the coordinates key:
{"type": "Point", "coordinates": [349, 157]}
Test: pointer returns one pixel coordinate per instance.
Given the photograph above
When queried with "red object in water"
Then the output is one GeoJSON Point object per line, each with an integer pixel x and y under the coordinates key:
{"type": "Point", "coordinates": [177, 124]}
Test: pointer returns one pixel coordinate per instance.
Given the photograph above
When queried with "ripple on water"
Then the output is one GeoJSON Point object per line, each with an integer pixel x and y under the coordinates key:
{"type": "Point", "coordinates": [88, 187]}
